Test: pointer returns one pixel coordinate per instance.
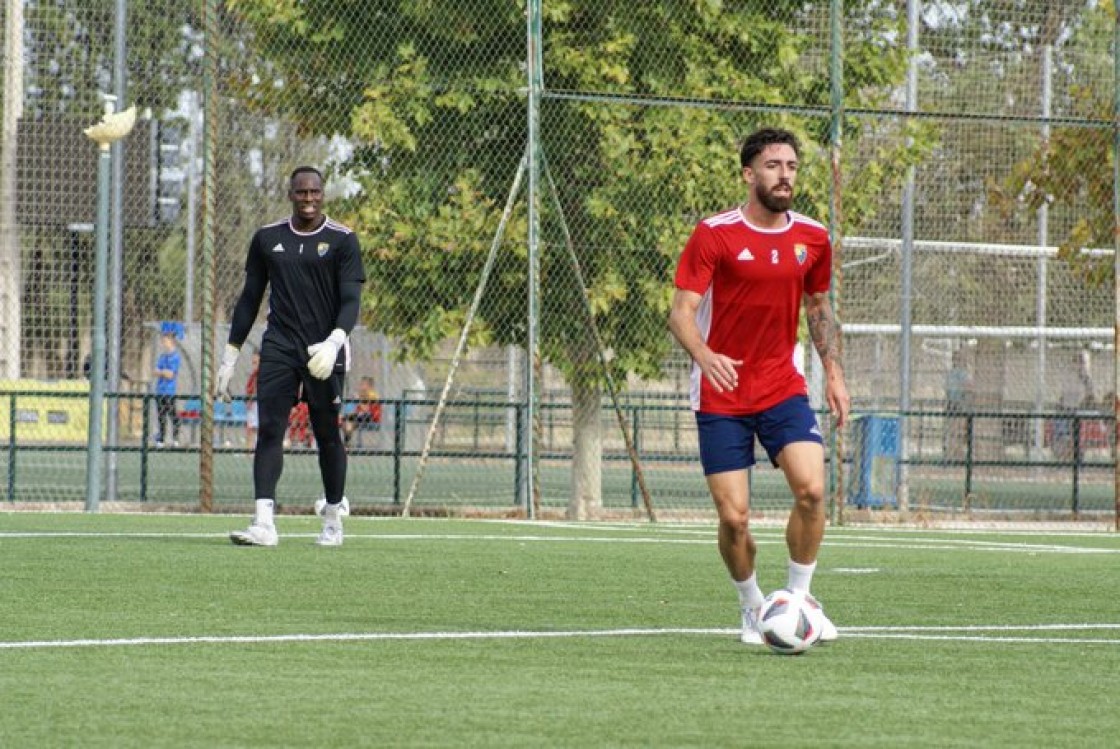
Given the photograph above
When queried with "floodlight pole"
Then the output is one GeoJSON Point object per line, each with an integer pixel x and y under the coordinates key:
{"type": "Point", "coordinates": [1116, 269]}
{"type": "Point", "coordinates": [97, 358]}
{"type": "Point", "coordinates": [116, 258]}
{"type": "Point", "coordinates": [11, 283]}
{"type": "Point", "coordinates": [112, 128]}
{"type": "Point", "coordinates": [906, 272]}
{"type": "Point", "coordinates": [532, 423]}
{"type": "Point", "coordinates": [836, 233]}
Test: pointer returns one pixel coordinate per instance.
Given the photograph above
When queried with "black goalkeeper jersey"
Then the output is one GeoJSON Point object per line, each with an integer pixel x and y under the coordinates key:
{"type": "Point", "coordinates": [304, 272]}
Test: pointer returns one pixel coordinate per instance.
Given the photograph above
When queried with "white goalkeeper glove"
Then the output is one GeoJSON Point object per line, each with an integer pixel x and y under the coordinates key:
{"type": "Point", "coordinates": [225, 371]}
{"type": "Point", "coordinates": [323, 355]}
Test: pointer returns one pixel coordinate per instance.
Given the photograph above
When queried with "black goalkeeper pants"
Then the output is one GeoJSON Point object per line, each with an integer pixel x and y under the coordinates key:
{"type": "Point", "coordinates": [281, 384]}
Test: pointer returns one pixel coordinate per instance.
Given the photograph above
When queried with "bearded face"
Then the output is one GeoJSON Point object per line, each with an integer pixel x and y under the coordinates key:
{"type": "Point", "coordinates": [777, 198]}
{"type": "Point", "coordinates": [772, 175]}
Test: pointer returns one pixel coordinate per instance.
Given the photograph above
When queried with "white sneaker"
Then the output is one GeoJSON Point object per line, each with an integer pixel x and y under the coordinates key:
{"type": "Point", "coordinates": [828, 629]}
{"type": "Point", "coordinates": [256, 535]}
{"type": "Point", "coordinates": [750, 635]}
{"type": "Point", "coordinates": [343, 506]}
{"type": "Point", "coordinates": [331, 535]}
{"type": "Point", "coordinates": [332, 515]}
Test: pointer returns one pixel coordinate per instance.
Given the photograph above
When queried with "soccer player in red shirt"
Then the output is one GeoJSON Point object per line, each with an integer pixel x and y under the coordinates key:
{"type": "Point", "coordinates": [740, 283]}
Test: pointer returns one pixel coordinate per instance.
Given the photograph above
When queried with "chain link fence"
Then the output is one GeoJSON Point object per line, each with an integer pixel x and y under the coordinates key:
{"type": "Point", "coordinates": [961, 153]}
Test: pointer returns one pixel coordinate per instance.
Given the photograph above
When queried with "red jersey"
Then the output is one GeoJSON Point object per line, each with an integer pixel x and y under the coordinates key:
{"type": "Point", "coordinates": [752, 281]}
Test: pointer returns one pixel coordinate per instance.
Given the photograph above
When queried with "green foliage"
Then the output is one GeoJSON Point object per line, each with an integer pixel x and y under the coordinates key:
{"type": "Point", "coordinates": [71, 62]}
{"type": "Point", "coordinates": [435, 106]}
{"type": "Point", "coordinates": [1073, 172]}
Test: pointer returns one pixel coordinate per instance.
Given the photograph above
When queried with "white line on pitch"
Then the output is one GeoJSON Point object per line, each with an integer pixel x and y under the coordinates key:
{"type": "Point", "coordinates": [844, 542]}
{"type": "Point", "coordinates": [357, 637]}
{"type": "Point", "coordinates": [1085, 627]}
{"type": "Point", "coordinates": [979, 638]}
{"type": "Point", "coordinates": [899, 633]}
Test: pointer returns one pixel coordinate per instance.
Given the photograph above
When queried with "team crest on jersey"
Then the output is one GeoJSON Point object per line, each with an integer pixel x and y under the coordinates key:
{"type": "Point", "coordinates": [800, 252]}
{"type": "Point", "coordinates": [323, 248]}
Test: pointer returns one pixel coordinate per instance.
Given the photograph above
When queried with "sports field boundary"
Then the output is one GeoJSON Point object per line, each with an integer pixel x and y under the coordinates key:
{"type": "Point", "coordinates": [980, 521]}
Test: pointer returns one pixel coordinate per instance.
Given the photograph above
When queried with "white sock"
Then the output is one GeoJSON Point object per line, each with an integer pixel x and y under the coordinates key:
{"type": "Point", "coordinates": [801, 575]}
{"type": "Point", "coordinates": [750, 595]}
{"type": "Point", "coordinates": [264, 512]}
{"type": "Point", "coordinates": [332, 513]}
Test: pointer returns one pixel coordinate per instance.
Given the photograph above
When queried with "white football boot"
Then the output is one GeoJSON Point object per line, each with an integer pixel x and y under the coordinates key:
{"type": "Point", "coordinates": [750, 634]}
{"type": "Point", "coordinates": [343, 506]}
{"type": "Point", "coordinates": [828, 629]}
{"type": "Point", "coordinates": [332, 515]}
{"type": "Point", "coordinates": [257, 534]}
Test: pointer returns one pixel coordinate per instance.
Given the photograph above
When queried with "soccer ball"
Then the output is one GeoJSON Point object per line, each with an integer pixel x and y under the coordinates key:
{"type": "Point", "coordinates": [788, 622]}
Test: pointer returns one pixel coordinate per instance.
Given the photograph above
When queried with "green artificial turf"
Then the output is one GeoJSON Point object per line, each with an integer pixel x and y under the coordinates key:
{"type": "Point", "coordinates": [152, 630]}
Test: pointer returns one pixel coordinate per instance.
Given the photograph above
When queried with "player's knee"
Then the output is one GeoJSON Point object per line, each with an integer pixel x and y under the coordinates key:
{"type": "Point", "coordinates": [272, 418]}
{"type": "Point", "coordinates": [809, 497]}
{"type": "Point", "coordinates": [267, 441]}
{"type": "Point", "coordinates": [734, 518]}
{"type": "Point", "coordinates": [271, 429]}
{"type": "Point", "coordinates": [324, 424]}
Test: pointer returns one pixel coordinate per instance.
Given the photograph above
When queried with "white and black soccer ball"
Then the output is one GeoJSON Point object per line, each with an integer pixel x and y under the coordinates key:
{"type": "Point", "coordinates": [788, 623]}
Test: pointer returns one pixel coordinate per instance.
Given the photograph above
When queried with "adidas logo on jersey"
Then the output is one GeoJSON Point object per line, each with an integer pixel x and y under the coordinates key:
{"type": "Point", "coordinates": [279, 247]}
{"type": "Point", "coordinates": [745, 254]}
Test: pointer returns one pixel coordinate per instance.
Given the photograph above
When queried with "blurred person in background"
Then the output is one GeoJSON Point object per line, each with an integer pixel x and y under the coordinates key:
{"type": "Point", "coordinates": [366, 413]}
{"type": "Point", "coordinates": [167, 385]}
{"type": "Point", "coordinates": [252, 415]}
{"type": "Point", "coordinates": [959, 391]}
{"type": "Point", "coordinates": [1077, 394]}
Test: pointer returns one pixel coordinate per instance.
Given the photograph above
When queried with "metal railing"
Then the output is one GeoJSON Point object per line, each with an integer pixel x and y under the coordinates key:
{"type": "Point", "coordinates": [958, 457]}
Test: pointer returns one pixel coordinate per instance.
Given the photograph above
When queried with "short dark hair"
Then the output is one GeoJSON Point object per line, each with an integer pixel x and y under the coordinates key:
{"type": "Point", "coordinates": [767, 136]}
{"type": "Point", "coordinates": [304, 170]}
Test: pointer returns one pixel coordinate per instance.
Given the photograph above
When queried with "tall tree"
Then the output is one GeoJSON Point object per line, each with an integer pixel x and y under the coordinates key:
{"type": "Point", "coordinates": [640, 136]}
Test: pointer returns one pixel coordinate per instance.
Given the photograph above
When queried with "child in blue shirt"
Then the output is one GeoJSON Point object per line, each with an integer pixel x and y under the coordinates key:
{"type": "Point", "coordinates": [167, 381]}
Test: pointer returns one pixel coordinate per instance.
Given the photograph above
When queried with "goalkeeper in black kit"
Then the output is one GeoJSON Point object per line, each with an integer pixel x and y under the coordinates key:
{"type": "Point", "coordinates": [312, 267]}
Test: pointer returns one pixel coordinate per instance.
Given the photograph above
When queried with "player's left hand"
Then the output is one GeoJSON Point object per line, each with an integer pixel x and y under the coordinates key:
{"type": "Point", "coordinates": [839, 402]}
{"type": "Point", "coordinates": [323, 355]}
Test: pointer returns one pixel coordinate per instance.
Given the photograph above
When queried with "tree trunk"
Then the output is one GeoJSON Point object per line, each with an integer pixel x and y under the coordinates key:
{"type": "Point", "coordinates": [587, 446]}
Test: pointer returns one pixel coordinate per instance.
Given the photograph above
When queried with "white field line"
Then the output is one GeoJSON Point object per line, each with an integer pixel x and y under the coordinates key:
{"type": "Point", "coordinates": [892, 633]}
{"type": "Point", "coordinates": [858, 542]}
{"type": "Point", "coordinates": [976, 638]}
{"type": "Point", "coordinates": [779, 528]}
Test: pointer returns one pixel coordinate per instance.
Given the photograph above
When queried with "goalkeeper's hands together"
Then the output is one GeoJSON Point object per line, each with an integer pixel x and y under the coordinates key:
{"type": "Point", "coordinates": [323, 355]}
{"type": "Point", "coordinates": [225, 372]}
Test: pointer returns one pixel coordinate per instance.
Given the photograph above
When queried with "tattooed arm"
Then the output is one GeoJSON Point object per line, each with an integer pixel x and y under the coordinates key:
{"type": "Point", "coordinates": [824, 329]}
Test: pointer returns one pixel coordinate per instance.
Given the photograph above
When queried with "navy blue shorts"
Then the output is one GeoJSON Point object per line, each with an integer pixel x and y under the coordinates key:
{"type": "Point", "coordinates": [727, 442]}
